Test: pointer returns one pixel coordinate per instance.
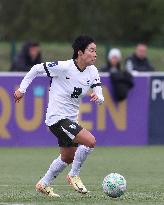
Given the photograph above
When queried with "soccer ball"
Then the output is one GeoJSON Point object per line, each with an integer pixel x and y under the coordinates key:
{"type": "Point", "coordinates": [114, 185]}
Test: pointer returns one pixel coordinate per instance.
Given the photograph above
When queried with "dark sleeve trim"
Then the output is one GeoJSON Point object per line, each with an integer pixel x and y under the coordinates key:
{"type": "Point", "coordinates": [45, 68]}
{"type": "Point", "coordinates": [94, 85]}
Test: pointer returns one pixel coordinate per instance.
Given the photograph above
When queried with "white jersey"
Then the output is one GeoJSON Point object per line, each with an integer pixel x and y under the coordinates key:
{"type": "Point", "coordinates": [68, 85]}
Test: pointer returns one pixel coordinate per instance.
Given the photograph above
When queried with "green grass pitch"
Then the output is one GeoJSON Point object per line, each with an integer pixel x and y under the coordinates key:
{"type": "Point", "coordinates": [143, 168]}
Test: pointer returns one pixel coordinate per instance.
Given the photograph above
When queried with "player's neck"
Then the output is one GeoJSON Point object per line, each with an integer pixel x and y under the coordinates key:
{"type": "Point", "coordinates": [82, 66]}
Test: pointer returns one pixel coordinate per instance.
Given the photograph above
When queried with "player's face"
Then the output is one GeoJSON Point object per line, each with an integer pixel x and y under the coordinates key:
{"type": "Point", "coordinates": [89, 55]}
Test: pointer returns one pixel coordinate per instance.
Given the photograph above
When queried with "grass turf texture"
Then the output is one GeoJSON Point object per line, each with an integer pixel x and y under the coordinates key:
{"type": "Point", "coordinates": [141, 166]}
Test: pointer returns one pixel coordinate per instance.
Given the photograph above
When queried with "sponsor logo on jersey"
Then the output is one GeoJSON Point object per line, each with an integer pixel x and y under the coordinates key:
{"type": "Point", "coordinates": [52, 64]}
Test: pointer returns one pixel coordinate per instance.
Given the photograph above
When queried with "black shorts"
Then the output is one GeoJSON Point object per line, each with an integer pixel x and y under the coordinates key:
{"type": "Point", "coordinates": [65, 130]}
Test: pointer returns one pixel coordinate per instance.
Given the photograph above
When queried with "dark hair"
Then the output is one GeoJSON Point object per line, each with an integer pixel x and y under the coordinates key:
{"type": "Point", "coordinates": [32, 44]}
{"type": "Point", "coordinates": [81, 43]}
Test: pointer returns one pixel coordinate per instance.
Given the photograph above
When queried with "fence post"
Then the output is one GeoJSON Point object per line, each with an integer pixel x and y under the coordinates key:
{"type": "Point", "coordinates": [13, 50]}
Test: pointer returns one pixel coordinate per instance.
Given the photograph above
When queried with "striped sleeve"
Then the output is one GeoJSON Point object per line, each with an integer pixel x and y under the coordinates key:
{"type": "Point", "coordinates": [46, 69]}
{"type": "Point", "coordinates": [96, 80]}
{"type": "Point", "coordinates": [95, 85]}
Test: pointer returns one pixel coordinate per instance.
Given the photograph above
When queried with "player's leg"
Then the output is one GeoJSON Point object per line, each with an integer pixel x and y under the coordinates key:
{"type": "Point", "coordinates": [58, 165]}
{"type": "Point", "coordinates": [87, 141]}
{"type": "Point", "coordinates": [67, 151]}
{"type": "Point", "coordinates": [73, 134]}
{"type": "Point", "coordinates": [84, 137]}
{"type": "Point", "coordinates": [69, 133]}
{"type": "Point", "coordinates": [67, 154]}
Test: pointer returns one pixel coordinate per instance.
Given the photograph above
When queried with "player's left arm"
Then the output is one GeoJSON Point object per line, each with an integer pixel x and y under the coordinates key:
{"type": "Point", "coordinates": [97, 95]}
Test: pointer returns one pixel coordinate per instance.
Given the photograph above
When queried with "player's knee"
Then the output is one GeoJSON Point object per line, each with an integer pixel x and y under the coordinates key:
{"type": "Point", "coordinates": [92, 143]}
{"type": "Point", "coordinates": [67, 159]}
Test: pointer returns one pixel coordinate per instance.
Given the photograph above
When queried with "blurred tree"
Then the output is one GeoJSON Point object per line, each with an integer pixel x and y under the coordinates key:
{"type": "Point", "coordinates": [62, 20]}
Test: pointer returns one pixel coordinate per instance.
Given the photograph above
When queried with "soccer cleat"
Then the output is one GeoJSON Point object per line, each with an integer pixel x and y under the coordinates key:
{"type": "Point", "coordinates": [47, 190]}
{"type": "Point", "coordinates": [77, 184]}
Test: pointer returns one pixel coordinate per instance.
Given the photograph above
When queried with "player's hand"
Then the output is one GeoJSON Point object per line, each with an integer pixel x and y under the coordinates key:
{"type": "Point", "coordinates": [18, 96]}
{"type": "Point", "coordinates": [94, 97]}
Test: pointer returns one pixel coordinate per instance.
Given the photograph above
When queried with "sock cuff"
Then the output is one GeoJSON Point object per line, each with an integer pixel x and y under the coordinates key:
{"type": "Point", "coordinates": [87, 149]}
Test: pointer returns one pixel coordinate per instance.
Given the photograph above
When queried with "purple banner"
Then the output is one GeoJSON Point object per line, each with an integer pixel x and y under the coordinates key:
{"type": "Point", "coordinates": [156, 115]}
{"type": "Point", "coordinates": [23, 124]}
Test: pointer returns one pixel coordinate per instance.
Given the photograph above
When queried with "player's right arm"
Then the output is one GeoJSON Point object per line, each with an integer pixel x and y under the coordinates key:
{"type": "Point", "coordinates": [50, 68]}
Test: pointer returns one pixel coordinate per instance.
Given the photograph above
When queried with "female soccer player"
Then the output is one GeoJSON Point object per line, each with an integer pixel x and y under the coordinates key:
{"type": "Point", "coordinates": [70, 81]}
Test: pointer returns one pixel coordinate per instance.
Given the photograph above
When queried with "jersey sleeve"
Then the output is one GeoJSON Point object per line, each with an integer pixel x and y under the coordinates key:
{"type": "Point", "coordinates": [37, 69]}
{"type": "Point", "coordinates": [53, 69]}
{"type": "Point", "coordinates": [96, 79]}
{"type": "Point", "coordinates": [96, 86]}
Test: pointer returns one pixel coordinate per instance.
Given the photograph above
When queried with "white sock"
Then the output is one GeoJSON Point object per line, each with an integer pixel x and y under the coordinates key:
{"type": "Point", "coordinates": [80, 156]}
{"type": "Point", "coordinates": [55, 168]}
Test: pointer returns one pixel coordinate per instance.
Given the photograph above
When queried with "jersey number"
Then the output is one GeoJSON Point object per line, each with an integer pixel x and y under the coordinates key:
{"type": "Point", "coordinates": [76, 92]}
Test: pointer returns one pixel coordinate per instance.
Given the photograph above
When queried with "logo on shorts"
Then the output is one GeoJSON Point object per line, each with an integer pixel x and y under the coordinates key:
{"type": "Point", "coordinates": [72, 126]}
